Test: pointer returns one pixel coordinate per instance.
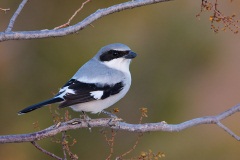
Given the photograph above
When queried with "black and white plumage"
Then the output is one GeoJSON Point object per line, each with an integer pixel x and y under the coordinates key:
{"type": "Point", "coordinates": [98, 84]}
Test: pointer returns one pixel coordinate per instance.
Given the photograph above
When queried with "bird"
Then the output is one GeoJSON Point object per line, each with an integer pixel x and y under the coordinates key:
{"type": "Point", "coordinates": [98, 84]}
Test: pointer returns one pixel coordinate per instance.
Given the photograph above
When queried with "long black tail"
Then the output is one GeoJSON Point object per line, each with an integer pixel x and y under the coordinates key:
{"type": "Point", "coordinates": [39, 105]}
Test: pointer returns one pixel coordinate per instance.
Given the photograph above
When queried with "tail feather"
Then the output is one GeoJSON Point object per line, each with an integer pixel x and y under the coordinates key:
{"type": "Point", "coordinates": [39, 105]}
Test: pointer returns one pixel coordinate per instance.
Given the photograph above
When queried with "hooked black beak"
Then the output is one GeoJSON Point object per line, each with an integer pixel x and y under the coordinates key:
{"type": "Point", "coordinates": [131, 55]}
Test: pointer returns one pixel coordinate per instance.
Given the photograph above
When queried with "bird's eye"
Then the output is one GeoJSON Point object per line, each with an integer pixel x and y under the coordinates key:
{"type": "Point", "coordinates": [115, 53]}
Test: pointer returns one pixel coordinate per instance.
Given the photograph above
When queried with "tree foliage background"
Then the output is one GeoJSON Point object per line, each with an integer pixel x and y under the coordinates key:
{"type": "Point", "coordinates": [184, 70]}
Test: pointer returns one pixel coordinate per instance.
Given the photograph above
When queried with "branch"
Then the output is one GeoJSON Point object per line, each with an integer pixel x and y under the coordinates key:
{"type": "Point", "coordinates": [63, 145]}
{"type": "Point", "coordinates": [75, 13]}
{"type": "Point", "coordinates": [46, 152]}
{"type": "Point", "coordinates": [15, 15]}
{"type": "Point", "coordinates": [23, 35]}
{"type": "Point", "coordinates": [115, 123]}
{"type": "Point", "coordinates": [219, 21]}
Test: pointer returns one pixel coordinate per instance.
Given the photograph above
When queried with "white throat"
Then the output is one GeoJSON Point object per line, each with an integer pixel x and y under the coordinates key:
{"type": "Point", "coordinates": [121, 64]}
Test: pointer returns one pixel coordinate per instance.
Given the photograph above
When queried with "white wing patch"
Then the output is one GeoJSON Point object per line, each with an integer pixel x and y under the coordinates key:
{"type": "Point", "coordinates": [65, 90]}
{"type": "Point", "coordinates": [97, 94]}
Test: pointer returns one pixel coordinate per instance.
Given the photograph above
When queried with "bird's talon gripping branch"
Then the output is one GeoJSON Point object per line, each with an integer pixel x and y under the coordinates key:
{"type": "Point", "coordinates": [109, 114]}
{"type": "Point", "coordinates": [86, 119]}
{"type": "Point", "coordinates": [113, 121]}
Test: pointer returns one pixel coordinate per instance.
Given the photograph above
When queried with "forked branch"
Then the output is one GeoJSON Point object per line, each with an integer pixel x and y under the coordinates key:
{"type": "Point", "coordinates": [15, 15]}
{"type": "Point", "coordinates": [46, 152]}
{"type": "Point", "coordinates": [23, 35]}
{"type": "Point", "coordinates": [75, 13]}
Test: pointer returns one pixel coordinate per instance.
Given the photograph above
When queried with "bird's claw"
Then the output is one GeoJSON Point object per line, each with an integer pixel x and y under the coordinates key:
{"type": "Point", "coordinates": [87, 119]}
{"type": "Point", "coordinates": [109, 114]}
{"type": "Point", "coordinates": [112, 122]}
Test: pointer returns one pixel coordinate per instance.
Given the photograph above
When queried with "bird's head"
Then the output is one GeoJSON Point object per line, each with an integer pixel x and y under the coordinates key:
{"type": "Point", "coordinates": [117, 56]}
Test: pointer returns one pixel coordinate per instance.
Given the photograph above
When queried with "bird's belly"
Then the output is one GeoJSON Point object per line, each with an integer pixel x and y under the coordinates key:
{"type": "Point", "coordinates": [99, 105]}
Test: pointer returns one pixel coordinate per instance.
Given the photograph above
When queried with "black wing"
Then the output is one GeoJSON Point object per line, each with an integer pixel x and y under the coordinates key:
{"type": "Point", "coordinates": [82, 92]}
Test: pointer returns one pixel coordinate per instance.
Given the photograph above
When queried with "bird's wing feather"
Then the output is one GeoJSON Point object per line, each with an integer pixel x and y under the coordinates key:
{"type": "Point", "coordinates": [80, 92]}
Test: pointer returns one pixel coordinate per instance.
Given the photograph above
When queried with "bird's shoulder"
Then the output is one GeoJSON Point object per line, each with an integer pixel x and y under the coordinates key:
{"type": "Point", "coordinates": [96, 72]}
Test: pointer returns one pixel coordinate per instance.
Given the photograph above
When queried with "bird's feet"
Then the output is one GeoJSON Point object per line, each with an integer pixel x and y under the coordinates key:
{"type": "Point", "coordinates": [113, 118]}
{"type": "Point", "coordinates": [109, 114]}
{"type": "Point", "coordinates": [87, 119]}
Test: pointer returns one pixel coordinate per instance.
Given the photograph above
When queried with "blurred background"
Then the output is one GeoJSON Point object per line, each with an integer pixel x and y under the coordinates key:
{"type": "Point", "coordinates": [183, 71]}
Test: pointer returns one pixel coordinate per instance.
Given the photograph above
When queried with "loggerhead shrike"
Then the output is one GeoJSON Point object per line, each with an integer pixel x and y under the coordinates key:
{"type": "Point", "coordinates": [98, 84]}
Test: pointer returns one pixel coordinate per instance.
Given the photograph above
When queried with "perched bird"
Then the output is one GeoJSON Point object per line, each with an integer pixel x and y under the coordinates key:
{"type": "Point", "coordinates": [98, 84]}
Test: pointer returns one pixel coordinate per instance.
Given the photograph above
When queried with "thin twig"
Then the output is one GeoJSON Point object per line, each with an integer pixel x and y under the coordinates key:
{"type": "Point", "coordinates": [75, 13]}
{"type": "Point", "coordinates": [67, 149]}
{"type": "Point", "coordinates": [143, 114]}
{"type": "Point", "coordinates": [15, 15]}
{"type": "Point", "coordinates": [110, 142]}
{"type": "Point", "coordinates": [228, 130]}
{"type": "Point", "coordinates": [66, 118]}
{"type": "Point", "coordinates": [219, 21]}
{"type": "Point", "coordinates": [133, 147]}
{"type": "Point", "coordinates": [63, 145]}
{"type": "Point", "coordinates": [46, 152]}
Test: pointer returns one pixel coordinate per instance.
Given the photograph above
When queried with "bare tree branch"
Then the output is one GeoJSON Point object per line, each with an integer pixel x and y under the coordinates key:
{"type": "Point", "coordinates": [63, 145]}
{"type": "Point", "coordinates": [46, 152]}
{"type": "Point", "coordinates": [23, 35]}
{"type": "Point", "coordinates": [219, 21]}
{"type": "Point", "coordinates": [15, 15]}
{"type": "Point", "coordinates": [115, 123]}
